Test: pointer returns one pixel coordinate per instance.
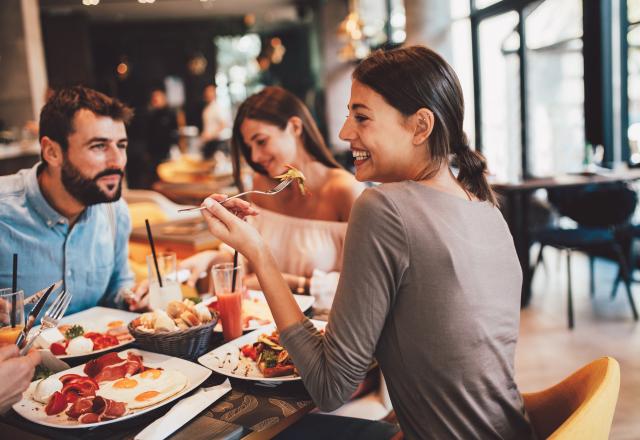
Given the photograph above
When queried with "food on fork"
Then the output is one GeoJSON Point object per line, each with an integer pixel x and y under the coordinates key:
{"type": "Point", "coordinates": [295, 174]}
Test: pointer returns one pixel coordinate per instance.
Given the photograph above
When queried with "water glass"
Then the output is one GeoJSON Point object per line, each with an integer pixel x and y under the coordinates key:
{"type": "Point", "coordinates": [159, 297]}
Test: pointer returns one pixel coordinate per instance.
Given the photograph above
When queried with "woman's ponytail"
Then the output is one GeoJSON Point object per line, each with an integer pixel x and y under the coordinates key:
{"type": "Point", "coordinates": [472, 172]}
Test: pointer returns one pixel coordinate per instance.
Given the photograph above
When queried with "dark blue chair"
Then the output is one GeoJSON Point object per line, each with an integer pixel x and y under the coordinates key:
{"type": "Point", "coordinates": [602, 212]}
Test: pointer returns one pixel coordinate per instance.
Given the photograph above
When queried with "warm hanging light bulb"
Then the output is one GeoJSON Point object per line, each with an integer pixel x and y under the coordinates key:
{"type": "Point", "coordinates": [350, 30]}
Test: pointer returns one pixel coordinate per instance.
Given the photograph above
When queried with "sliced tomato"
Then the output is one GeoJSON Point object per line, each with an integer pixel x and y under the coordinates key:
{"type": "Point", "coordinates": [58, 349]}
{"type": "Point", "coordinates": [57, 403]}
{"type": "Point", "coordinates": [92, 335]}
{"type": "Point", "coordinates": [250, 352]}
{"type": "Point", "coordinates": [104, 342]}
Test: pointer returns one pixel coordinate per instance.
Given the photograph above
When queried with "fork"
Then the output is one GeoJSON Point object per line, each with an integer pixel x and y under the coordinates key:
{"type": "Point", "coordinates": [275, 190]}
{"type": "Point", "coordinates": [51, 317]}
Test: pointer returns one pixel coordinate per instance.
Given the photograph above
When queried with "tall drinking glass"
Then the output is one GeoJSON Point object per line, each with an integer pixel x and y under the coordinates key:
{"type": "Point", "coordinates": [159, 297]}
{"type": "Point", "coordinates": [229, 299]}
{"type": "Point", "coordinates": [8, 300]}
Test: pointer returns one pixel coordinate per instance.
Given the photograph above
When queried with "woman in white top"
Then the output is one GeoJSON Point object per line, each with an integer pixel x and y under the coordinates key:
{"type": "Point", "coordinates": [306, 233]}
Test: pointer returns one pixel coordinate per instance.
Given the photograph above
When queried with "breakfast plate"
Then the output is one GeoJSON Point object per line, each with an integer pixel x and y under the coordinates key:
{"type": "Point", "coordinates": [165, 379]}
{"type": "Point", "coordinates": [98, 322]}
{"type": "Point", "coordinates": [255, 310]}
{"type": "Point", "coordinates": [229, 360]}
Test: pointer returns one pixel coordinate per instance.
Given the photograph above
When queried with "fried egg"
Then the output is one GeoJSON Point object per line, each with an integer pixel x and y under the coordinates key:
{"type": "Point", "coordinates": [144, 389]}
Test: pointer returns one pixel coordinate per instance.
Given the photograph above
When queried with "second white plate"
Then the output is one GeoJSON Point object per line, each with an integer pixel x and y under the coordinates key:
{"type": "Point", "coordinates": [228, 361]}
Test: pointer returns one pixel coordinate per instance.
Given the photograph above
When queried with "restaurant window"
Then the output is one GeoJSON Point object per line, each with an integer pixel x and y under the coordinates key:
{"type": "Point", "coordinates": [555, 87]}
{"type": "Point", "coordinates": [500, 95]}
{"type": "Point", "coordinates": [462, 60]}
{"type": "Point", "coordinates": [633, 79]}
{"type": "Point", "coordinates": [479, 4]}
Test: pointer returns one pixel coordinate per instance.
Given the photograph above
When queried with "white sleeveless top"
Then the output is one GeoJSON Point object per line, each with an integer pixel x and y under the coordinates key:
{"type": "Point", "coordinates": [304, 247]}
{"type": "Point", "coordinates": [301, 245]}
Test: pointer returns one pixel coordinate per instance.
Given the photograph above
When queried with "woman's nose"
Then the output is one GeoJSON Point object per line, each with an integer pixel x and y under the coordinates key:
{"type": "Point", "coordinates": [347, 131]}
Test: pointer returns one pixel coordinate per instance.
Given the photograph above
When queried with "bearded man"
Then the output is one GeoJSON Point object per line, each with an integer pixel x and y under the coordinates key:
{"type": "Point", "coordinates": [64, 217]}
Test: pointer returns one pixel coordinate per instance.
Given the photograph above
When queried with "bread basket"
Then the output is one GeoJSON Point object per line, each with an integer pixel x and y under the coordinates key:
{"type": "Point", "coordinates": [187, 344]}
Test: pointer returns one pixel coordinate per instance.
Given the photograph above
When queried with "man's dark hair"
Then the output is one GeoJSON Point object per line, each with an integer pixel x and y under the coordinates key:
{"type": "Point", "coordinates": [56, 117]}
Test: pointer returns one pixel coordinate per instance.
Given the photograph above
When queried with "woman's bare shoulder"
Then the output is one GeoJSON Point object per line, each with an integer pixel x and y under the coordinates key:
{"type": "Point", "coordinates": [343, 190]}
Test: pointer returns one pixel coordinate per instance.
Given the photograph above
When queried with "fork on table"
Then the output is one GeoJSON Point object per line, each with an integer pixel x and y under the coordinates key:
{"type": "Point", "coordinates": [51, 317]}
{"type": "Point", "coordinates": [275, 190]}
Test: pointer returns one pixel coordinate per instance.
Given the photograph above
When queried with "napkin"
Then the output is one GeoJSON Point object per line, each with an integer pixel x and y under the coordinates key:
{"type": "Point", "coordinates": [183, 411]}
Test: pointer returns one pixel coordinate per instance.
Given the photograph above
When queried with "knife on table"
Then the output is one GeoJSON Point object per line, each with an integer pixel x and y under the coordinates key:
{"type": "Point", "coordinates": [33, 315]}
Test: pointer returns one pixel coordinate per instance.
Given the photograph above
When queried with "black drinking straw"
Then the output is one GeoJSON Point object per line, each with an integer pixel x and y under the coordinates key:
{"type": "Point", "coordinates": [14, 289]}
{"type": "Point", "coordinates": [235, 272]}
{"type": "Point", "coordinates": [153, 251]}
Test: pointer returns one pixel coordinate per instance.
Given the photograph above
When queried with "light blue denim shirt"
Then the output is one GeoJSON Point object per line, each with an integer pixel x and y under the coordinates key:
{"type": "Point", "coordinates": [92, 264]}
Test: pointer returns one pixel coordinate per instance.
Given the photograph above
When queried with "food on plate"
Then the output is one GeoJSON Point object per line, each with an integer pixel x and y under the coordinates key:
{"type": "Point", "coordinates": [81, 339]}
{"type": "Point", "coordinates": [144, 389]}
{"type": "Point", "coordinates": [295, 174]}
{"type": "Point", "coordinates": [180, 315]}
{"type": "Point", "coordinates": [272, 358]}
{"type": "Point", "coordinates": [111, 387]}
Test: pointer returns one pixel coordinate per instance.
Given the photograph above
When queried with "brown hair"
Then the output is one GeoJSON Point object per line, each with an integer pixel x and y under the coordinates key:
{"type": "Point", "coordinates": [416, 77]}
{"type": "Point", "coordinates": [56, 117]}
{"type": "Point", "coordinates": [275, 106]}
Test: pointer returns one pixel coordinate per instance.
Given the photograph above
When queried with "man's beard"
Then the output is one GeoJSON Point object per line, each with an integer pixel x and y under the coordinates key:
{"type": "Point", "coordinates": [86, 190]}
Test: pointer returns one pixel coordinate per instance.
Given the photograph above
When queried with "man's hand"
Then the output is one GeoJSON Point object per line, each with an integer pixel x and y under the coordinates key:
{"type": "Point", "coordinates": [17, 372]}
{"type": "Point", "coordinates": [198, 263]}
{"type": "Point", "coordinates": [138, 297]}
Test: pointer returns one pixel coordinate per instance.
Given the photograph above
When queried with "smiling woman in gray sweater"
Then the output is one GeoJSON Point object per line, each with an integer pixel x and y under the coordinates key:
{"type": "Point", "coordinates": [430, 285]}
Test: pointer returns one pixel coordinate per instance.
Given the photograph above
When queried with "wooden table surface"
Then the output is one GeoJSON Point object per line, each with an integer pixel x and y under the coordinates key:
{"type": "Point", "coordinates": [249, 411]}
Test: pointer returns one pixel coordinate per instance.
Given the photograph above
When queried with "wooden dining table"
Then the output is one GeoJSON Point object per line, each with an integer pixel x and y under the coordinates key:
{"type": "Point", "coordinates": [517, 195]}
{"type": "Point", "coordinates": [252, 411]}
{"type": "Point", "coordinates": [249, 411]}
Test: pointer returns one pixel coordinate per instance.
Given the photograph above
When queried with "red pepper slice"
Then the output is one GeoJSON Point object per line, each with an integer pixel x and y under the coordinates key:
{"type": "Point", "coordinates": [57, 403]}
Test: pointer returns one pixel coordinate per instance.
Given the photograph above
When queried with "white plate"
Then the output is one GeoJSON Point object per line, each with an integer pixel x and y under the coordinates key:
{"type": "Point", "coordinates": [34, 411]}
{"type": "Point", "coordinates": [304, 302]}
{"type": "Point", "coordinates": [228, 361]}
{"type": "Point", "coordinates": [96, 319]}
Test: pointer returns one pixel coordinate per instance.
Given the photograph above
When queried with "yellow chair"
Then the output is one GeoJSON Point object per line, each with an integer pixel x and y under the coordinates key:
{"type": "Point", "coordinates": [579, 407]}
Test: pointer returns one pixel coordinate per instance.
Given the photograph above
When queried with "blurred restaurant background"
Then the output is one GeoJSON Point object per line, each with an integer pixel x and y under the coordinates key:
{"type": "Point", "coordinates": [552, 94]}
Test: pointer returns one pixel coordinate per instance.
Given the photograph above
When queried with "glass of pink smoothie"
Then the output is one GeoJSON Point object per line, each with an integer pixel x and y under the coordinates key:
{"type": "Point", "coordinates": [229, 299]}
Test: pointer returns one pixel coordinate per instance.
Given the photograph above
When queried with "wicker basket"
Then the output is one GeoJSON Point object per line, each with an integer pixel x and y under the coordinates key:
{"type": "Point", "coordinates": [187, 344]}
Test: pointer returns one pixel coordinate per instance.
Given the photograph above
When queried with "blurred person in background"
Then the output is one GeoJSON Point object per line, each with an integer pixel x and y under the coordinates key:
{"type": "Point", "coordinates": [162, 129]}
{"type": "Point", "coordinates": [216, 124]}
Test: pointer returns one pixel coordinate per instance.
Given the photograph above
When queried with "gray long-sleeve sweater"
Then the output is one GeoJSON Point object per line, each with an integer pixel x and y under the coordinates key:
{"type": "Point", "coordinates": [430, 287]}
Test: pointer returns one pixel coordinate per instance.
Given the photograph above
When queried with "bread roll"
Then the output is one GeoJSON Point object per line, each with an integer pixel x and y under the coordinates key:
{"type": "Point", "coordinates": [175, 309]}
{"type": "Point", "coordinates": [189, 318]}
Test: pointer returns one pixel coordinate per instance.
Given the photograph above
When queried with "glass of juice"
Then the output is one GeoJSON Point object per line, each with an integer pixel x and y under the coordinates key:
{"type": "Point", "coordinates": [159, 297]}
{"type": "Point", "coordinates": [229, 299]}
{"type": "Point", "coordinates": [11, 303]}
